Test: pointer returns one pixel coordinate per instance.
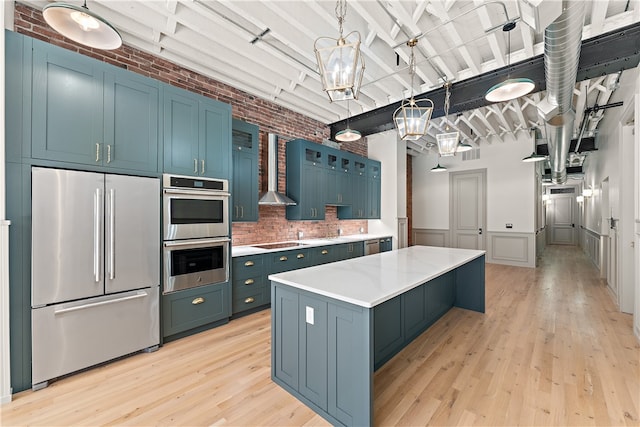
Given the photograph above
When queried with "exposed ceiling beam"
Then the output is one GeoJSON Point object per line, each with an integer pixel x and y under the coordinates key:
{"type": "Point", "coordinates": [605, 54]}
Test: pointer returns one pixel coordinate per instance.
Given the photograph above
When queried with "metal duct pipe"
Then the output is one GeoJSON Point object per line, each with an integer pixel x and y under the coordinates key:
{"type": "Point", "coordinates": [562, 39]}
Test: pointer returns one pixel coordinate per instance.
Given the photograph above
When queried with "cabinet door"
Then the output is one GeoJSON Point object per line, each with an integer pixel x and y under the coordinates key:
{"type": "Point", "coordinates": [245, 172]}
{"type": "Point", "coordinates": [440, 295]}
{"type": "Point", "coordinates": [313, 350]}
{"type": "Point", "coordinates": [373, 189]}
{"type": "Point", "coordinates": [131, 122]}
{"type": "Point", "coordinates": [67, 106]}
{"type": "Point", "coordinates": [285, 345]}
{"type": "Point", "coordinates": [181, 147]}
{"type": "Point", "coordinates": [215, 139]}
{"type": "Point", "coordinates": [195, 307]}
{"type": "Point", "coordinates": [313, 192]}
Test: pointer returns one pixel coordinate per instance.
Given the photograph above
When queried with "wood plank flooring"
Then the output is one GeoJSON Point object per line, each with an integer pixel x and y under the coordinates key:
{"type": "Point", "coordinates": [552, 349]}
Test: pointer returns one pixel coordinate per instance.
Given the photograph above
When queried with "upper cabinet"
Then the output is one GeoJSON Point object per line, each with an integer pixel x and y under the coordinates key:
{"type": "Point", "coordinates": [85, 111]}
{"type": "Point", "coordinates": [244, 193]}
{"type": "Point", "coordinates": [318, 175]}
{"type": "Point", "coordinates": [197, 135]}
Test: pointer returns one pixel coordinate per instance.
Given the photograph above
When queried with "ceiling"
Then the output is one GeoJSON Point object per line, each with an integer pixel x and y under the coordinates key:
{"type": "Point", "coordinates": [266, 49]}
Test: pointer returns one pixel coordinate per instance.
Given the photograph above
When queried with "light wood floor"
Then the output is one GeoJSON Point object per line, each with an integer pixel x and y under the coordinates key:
{"type": "Point", "coordinates": [551, 349]}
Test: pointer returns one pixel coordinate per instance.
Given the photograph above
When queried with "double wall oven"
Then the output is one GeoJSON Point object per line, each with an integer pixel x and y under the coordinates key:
{"type": "Point", "coordinates": [195, 232]}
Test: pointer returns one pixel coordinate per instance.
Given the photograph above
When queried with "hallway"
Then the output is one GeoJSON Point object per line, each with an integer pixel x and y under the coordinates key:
{"type": "Point", "coordinates": [552, 349]}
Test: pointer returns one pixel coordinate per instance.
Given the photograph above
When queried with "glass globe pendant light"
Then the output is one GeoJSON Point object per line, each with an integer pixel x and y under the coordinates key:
{"type": "Point", "coordinates": [412, 117]}
{"type": "Point", "coordinates": [81, 25]}
{"type": "Point", "coordinates": [447, 141]}
{"type": "Point", "coordinates": [340, 62]}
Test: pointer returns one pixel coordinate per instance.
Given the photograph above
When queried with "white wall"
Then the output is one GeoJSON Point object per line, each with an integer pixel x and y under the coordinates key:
{"type": "Point", "coordinates": [510, 186]}
{"type": "Point", "coordinates": [392, 154]}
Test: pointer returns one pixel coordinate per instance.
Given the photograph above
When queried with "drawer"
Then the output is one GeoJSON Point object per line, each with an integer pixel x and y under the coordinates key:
{"type": "Point", "coordinates": [195, 307]}
{"type": "Point", "coordinates": [247, 266]}
{"type": "Point", "coordinates": [289, 260]}
{"type": "Point", "coordinates": [249, 282]}
{"type": "Point", "coordinates": [326, 254]}
{"type": "Point", "coordinates": [250, 298]}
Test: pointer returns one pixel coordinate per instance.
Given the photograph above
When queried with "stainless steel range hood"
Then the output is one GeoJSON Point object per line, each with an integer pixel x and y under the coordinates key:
{"type": "Point", "coordinates": [271, 196]}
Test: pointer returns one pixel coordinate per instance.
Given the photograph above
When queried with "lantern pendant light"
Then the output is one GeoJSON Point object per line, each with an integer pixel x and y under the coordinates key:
{"type": "Point", "coordinates": [81, 25]}
{"type": "Point", "coordinates": [412, 117]}
{"type": "Point", "coordinates": [340, 62]}
{"type": "Point", "coordinates": [510, 88]}
{"type": "Point", "coordinates": [447, 141]}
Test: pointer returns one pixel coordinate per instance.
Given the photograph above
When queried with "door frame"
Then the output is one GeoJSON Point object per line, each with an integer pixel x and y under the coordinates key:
{"type": "Point", "coordinates": [452, 175]}
{"type": "Point", "coordinates": [550, 212]}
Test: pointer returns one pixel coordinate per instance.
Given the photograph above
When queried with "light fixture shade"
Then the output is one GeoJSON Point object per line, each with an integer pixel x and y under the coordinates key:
{"type": "Point", "coordinates": [579, 199]}
{"type": "Point", "coordinates": [437, 168]}
{"type": "Point", "coordinates": [81, 25]}
{"type": "Point", "coordinates": [341, 66]}
{"type": "Point", "coordinates": [447, 143]}
{"type": "Point", "coordinates": [463, 146]}
{"type": "Point", "coordinates": [509, 89]}
{"type": "Point", "coordinates": [348, 135]}
{"type": "Point", "coordinates": [412, 118]}
{"type": "Point", "coordinates": [534, 157]}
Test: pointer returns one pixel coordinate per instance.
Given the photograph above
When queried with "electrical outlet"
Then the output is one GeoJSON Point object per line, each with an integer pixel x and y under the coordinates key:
{"type": "Point", "coordinates": [309, 315]}
{"type": "Point", "coordinates": [509, 225]}
{"type": "Point", "coordinates": [300, 235]}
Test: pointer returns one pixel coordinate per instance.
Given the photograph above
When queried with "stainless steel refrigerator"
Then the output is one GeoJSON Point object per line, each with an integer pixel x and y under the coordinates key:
{"type": "Point", "coordinates": [95, 269]}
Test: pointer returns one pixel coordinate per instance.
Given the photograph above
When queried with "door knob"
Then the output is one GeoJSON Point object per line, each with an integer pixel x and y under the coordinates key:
{"type": "Point", "coordinates": [479, 230]}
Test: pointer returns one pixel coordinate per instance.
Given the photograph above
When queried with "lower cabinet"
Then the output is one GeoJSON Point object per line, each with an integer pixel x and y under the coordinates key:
{"type": "Point", "coordinates": [196, 307]}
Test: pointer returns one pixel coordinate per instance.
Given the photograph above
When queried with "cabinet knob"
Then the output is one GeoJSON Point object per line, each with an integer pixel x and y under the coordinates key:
{"type": "Point", "coordinates": [248, 264]}
{"type": "Point", "coordinates": [249, 300]}
{"type": "Point", "coordinates": [300, 256]}
{"type": "Point", "coordinates": [283, 258]}
{"type": "Point", "coordinates": [324, 252]}
{"type": "Point", "coordinates": [197, 301]}
{"type": "Point", "coordinates": [248, 282]}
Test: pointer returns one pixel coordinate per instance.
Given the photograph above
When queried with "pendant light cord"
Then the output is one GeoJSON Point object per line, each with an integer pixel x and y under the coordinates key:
{"type": "Point", "coordinates": [341, 13]}
{"type": "Point", "coordinates": [447, 97]}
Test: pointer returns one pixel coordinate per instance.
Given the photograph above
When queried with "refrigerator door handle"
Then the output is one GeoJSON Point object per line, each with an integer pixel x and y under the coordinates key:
{"type": "Point", "coordinates": [140, 294]}
{"type": "Point", "coordinates": [112, 234]}
{"type": "Point", "coordinates": [97, 196]}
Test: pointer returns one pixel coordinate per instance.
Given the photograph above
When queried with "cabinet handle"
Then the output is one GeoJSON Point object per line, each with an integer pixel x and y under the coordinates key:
{"type": "Point", "coordinates": [195, 166]}
{"type": "Point", "coordinates": [300, 256]}
{"type": "Point", "coordinates": [202, 167]}
{"type": "Point", "coordinates": [283, 258]}
{"type": "Point", "coordinates": [249, 300]}
{"type": "Point", "coordinates": [97, 152]}
{"type": "Point", "coordinates": [108, 153]}
{"type": "Point", "coordinates": [197, 301]}
{"type": "Point", "coordinates": [241, 211]}
{"type": "Point", "coordinates": [248, 264]}
{"type": "Point", "coordinates": [324, 252]}
{"type": "Point", "coordinates": [248, 282]}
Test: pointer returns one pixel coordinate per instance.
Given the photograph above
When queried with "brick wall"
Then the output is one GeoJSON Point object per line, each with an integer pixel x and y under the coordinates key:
{"type": "Point", "coordinates": [270, 117]}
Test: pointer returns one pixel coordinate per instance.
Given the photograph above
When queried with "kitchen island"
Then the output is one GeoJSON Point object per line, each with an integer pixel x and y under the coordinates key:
{"type": "Point", "coordinates": [333, 325]}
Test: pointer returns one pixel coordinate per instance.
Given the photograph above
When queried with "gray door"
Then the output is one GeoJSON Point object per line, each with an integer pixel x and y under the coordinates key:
{"type": "Point", "coordinates": [468, 207]}
{"type": "Point", "coordinates": [132, 241]}
{"type": "Point", "coordinates": [562, 220]}
{"type": "Point", "coordinates": [67, 239]}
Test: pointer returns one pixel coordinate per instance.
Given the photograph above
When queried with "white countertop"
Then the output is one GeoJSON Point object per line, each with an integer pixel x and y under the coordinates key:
{"type": "Point", "coordinates": [252, 250]}
{"type": "Point", "coordinates": [371, 280]}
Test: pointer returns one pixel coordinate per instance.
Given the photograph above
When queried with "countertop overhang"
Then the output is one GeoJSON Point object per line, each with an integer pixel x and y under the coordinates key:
{"type": "Point", "coordinates": [371, 280]}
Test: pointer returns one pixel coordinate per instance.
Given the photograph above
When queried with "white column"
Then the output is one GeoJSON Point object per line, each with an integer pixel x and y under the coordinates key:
{"type": "Point", "coordinates": [5, 371]}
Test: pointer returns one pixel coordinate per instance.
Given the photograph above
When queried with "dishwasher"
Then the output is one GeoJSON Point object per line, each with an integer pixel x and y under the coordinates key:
{"type": "Point", "coordinates": [371, 246]}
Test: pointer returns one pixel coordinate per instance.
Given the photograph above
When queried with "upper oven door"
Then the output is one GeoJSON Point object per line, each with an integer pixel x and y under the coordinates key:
{"type": "Point", "coordinates": [195, 214]}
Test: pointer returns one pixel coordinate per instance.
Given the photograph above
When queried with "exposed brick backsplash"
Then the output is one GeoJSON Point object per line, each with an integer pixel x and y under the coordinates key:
{"type": "Point", "coordinates": [269, 116]}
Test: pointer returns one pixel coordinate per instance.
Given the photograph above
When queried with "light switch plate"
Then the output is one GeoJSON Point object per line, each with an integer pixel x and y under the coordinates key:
{"type": "Point", "coordinates": [309, 315]}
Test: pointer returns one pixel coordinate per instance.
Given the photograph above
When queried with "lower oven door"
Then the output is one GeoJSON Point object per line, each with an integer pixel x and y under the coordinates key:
{"type": "Point", "coordinates": [195, 262]}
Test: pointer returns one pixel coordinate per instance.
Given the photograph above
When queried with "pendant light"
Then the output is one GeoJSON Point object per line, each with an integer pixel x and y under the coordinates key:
{"type": "Point", "coordinates": [412, 117]}
{"type": "Point", "coordinates": [534, 157]}
{"type": "Point", "coordinates": [463, 146]}
{"type": "Point", "coordinates": [447, 141]}
{"type": "Point", "coordinates": [437, 168]}
{"type": "Point", "coordinates": [348, 134]}
{"type": "Point", "coordinates": [510, 88]}
{"type": "Point", "coordinates": [81, 25]}
{"type": "Point", "coordinates": [340, 62]}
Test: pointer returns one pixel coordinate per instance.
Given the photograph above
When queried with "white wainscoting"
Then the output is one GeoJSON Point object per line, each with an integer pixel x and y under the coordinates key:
{"type": "Point", "coordinates": [518, 249]}
{"type": "Point", "coordinates": [430, 237]}
{"type": "Point", "coordinates": [591, 246]}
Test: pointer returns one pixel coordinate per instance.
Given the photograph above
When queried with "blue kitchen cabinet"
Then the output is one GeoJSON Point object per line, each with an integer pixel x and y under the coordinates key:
{"type": "Point", "coordinates": [354, 250]}
{"type": "Point", "coordinates": [197, 134]}
{"type": "Point", "coordinates": [244, 193]}
{"type": "Point", "coordinates": [278, 262]}
{"type": "Point", "coordinates": [386, 244]}
{"type": "Point", "coordinates": [250, 287]}
{"type": "Point", "coordinates": [338, 179]}
{"type": "Point", "coordinates": [326, 254]}
{"type": "Point", "coordinates": [88, 112]}
{"type": "Point", "coordinates": [306, 180]}
{"type": "Point", "coordinates": [373, 188]}
{"type": "Point", "coordinates": [440, 295]}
